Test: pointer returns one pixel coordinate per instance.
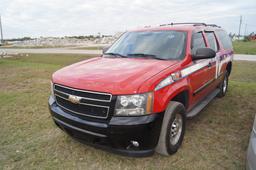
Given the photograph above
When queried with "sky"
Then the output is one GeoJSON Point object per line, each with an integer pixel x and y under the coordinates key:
{"type": "Point", "coordinates": [35, 18]}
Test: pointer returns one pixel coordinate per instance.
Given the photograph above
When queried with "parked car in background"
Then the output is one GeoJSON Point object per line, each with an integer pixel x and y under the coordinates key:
{"type": "Point", "coordinates": [251, 153]}
{"type": "Point", "coordinates": [135, 98]}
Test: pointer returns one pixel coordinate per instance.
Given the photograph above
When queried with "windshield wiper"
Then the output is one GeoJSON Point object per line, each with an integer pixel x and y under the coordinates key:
{"type": "Point", "coordinates": [145, 55]}
{"type": "Point", "coordinates": [116, 54]}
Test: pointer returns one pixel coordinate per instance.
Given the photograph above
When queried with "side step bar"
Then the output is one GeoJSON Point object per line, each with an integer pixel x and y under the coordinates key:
{"type": "Point", "coordinates": [202, 104]}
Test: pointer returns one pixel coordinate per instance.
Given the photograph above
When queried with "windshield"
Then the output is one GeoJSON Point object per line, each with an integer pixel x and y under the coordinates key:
{"type": "Point", "coordinates": [154, 44]}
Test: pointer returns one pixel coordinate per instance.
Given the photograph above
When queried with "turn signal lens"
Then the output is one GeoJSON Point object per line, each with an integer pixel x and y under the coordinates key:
{"type": "Point", "coordinates": [149, 103]}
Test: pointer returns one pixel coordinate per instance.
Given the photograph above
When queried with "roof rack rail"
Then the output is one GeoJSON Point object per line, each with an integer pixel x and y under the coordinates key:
{"type": "Point", "coordinates": [185, 23]}
{"type": "Point", "coordinates": [191, 23]}
{"type": "Point", "coordinates": [213, 25]}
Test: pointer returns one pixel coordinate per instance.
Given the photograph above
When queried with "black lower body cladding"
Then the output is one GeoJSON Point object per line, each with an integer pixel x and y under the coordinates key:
{"type": "Point", "coordinates": [130, 136]}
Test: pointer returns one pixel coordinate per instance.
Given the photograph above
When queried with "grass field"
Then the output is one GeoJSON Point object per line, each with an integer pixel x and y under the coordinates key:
{"type": "Point", "coordinates": [241, 47]}
{"type": "Point", "coordinates": [215, 139]}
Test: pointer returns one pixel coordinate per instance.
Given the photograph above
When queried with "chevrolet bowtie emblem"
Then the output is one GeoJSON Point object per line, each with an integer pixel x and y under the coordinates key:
{"type": "Point", "coordinates": [74, 99]}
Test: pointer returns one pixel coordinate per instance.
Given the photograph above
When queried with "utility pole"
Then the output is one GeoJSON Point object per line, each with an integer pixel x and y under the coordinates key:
{"type": "Point", "coordinates": [240, 24]}
{"type": "Point", "coordinates": [1, 31]}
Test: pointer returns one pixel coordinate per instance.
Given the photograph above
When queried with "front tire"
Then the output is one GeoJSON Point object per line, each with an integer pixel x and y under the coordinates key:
{"type": "Point", "coordinates": [173, 129]}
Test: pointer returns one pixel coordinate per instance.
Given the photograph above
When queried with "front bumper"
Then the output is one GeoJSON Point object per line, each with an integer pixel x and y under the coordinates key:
{"type": "Point", "coordinates": [114, 134]}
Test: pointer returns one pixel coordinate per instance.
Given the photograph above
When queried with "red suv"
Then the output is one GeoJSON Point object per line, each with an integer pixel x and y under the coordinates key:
{"type": "Point", "coordinates": [135, 98]}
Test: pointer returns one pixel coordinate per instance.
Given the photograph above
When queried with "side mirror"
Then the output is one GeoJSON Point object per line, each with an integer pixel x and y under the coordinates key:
{"type": "Point", "coordinates": [203, 53]}
{"type": "Point", "coordinates": [105, 49]}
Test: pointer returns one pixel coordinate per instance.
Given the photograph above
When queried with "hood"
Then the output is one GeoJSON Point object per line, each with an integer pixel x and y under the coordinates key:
{"type": "Point", "coordinates": [111, 75]}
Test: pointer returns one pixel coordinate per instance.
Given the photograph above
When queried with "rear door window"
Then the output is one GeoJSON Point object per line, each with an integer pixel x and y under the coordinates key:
{"type": "Point", "coordinates": [212, 41]}
{"type": "Point", "coordinates": [197, 41]}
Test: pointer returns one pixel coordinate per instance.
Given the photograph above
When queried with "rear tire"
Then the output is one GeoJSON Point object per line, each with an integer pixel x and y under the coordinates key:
{"type": "Point", "coordinates": [223, 86]}
{"type": "Point", "coordinates": [173, 129]}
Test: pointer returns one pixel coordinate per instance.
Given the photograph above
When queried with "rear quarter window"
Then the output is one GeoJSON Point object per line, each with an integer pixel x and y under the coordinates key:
{"type": "Point", "coordinates": [225, 40]}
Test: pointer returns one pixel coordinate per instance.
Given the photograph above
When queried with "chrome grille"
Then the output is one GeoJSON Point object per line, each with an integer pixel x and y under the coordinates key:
{"type": "Point", "coordinates": [91, 104]}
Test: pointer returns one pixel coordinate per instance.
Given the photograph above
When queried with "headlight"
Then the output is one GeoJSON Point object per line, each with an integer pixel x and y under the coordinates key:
{"type": "Point", "coordinates": [134, 105]}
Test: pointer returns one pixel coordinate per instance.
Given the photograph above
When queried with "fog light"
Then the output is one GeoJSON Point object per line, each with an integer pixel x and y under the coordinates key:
{"type": "Point", "coordinates": [135, 143]}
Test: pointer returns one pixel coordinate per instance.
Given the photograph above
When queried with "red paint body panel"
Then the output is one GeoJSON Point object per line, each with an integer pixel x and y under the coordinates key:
{"type": "Point", "coordinates": [163, 96]}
